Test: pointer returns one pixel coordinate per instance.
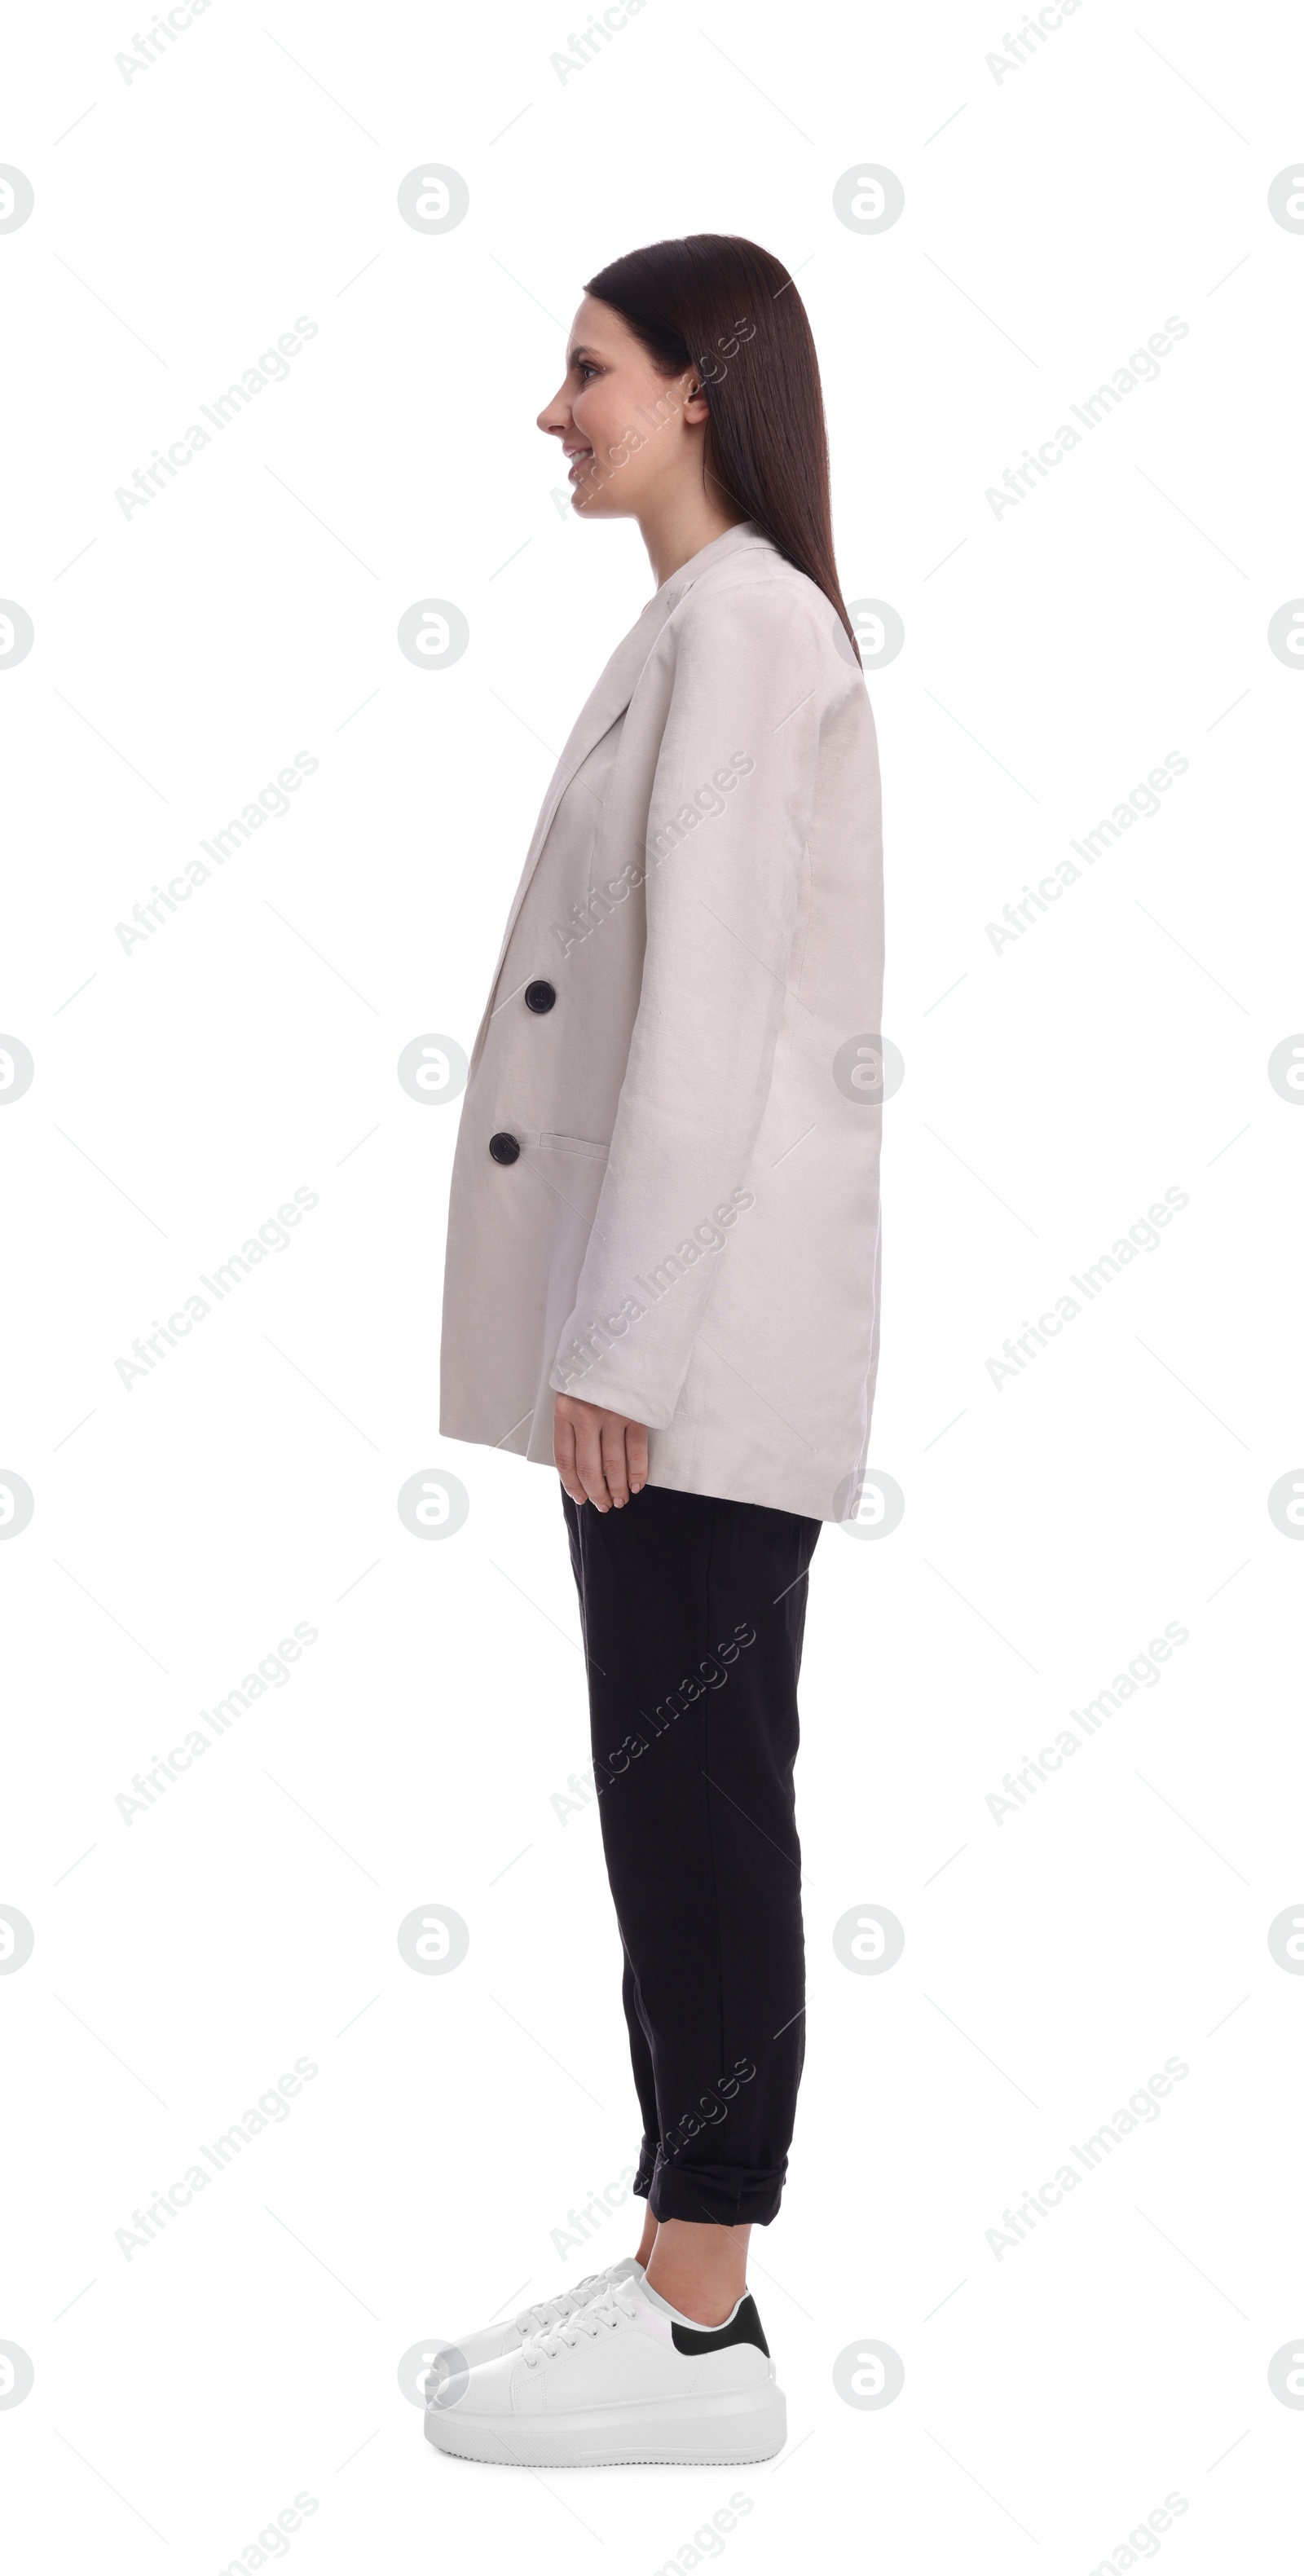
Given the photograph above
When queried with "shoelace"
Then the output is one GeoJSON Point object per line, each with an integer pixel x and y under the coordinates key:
{"type": "Point", "coordinates": [602, 2315]}
{"type": "Point", "coordinates": [549, 2312]}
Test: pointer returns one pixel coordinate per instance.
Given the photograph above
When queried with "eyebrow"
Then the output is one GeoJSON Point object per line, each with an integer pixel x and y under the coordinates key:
{"type": "Point", "coordinates": [581, 350]}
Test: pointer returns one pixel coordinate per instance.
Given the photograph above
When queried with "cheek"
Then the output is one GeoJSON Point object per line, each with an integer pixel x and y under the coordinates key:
{"type": "Point", "coordinates": [607, 414]}
{"type": "Point", "coordinates": [600, 415]}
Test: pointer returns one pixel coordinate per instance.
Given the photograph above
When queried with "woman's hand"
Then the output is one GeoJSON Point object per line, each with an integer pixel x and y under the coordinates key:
{"type": "Point", "coordinates": [601, 1457]}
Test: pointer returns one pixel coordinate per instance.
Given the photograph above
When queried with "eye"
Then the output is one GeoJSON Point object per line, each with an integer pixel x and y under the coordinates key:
{"type": "Point", "coordinates": [584, 369]}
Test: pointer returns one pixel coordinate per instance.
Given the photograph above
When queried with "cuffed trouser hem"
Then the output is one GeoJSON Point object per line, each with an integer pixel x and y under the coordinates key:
{"type": "Point", "coordinates": [647, 2158]}
{"type": "Point", "coordinates": [715, 2195]}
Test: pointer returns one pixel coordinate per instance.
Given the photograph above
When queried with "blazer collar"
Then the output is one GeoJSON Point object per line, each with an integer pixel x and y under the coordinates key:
{"type": "Point", "coordinates": [608, 700]}
{"type": "Point", "coordinates": [734, 541]}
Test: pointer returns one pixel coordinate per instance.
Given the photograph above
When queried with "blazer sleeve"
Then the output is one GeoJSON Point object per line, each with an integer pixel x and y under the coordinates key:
{"type": "Point", "coordinates": [727, 828]}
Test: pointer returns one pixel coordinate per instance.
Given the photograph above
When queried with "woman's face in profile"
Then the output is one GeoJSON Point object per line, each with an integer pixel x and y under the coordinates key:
{"type": "Point", "coordinates": [624, 429]}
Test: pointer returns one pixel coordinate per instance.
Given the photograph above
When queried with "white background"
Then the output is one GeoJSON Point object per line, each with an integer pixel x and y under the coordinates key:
{"type": "Point", "coordinates": [1054, 1960]}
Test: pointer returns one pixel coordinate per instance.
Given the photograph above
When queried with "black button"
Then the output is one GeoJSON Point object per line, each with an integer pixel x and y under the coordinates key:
{"type": "Point", "coordinates": [540, 997]}
{"type": "Point", "coordinates": [503, 1147]}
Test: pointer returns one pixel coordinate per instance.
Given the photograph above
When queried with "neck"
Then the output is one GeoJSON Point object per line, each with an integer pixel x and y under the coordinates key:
{"type": "Point", "coordinates": [675, 529]}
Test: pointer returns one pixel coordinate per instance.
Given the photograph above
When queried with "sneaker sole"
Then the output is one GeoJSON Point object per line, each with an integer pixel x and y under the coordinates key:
{"type": "Point", "coordinates": [724, 2431]}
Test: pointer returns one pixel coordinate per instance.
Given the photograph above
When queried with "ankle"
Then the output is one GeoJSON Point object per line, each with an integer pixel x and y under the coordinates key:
{"type": "Point", "coordinates": [708, 2300]}
{"type": "Point", "coordinates": [701, 2270]}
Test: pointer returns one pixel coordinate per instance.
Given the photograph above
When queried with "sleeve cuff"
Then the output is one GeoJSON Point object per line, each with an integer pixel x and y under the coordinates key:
{"type": "Point", "coordinates": [605, 1386]}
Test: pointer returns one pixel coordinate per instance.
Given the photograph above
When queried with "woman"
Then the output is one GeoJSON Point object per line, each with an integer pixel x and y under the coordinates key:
{"type": "Point", "coordinates": [662, 1276]}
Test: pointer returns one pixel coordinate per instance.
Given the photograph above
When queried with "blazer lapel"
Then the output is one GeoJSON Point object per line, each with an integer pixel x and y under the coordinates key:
{"type": "Point", "coordinates": [608, 700]}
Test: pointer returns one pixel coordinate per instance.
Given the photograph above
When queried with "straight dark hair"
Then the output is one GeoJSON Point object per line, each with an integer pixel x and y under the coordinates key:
{"type": "Point", "coordinates": [730, 309]}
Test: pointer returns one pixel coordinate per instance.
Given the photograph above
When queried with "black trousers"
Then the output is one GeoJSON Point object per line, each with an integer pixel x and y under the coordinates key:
{"type": "Point", "coordinates": [692, 1613]}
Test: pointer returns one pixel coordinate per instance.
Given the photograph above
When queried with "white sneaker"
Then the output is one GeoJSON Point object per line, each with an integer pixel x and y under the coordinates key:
{"type": "Point", "coordinates": [489, 2343]}
{"type": "Point", "coordinates": [623, 2379]}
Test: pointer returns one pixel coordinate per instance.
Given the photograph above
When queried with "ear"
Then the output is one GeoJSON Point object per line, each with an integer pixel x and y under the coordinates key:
{"type": "Point", "coordinates": [696, 408]}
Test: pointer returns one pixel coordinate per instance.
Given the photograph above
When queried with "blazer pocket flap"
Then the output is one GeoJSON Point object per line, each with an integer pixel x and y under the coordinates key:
{"type": "Point", "coordinates": [573, 1145]}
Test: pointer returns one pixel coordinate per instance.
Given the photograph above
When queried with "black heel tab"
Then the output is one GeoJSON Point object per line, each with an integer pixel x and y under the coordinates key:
{"type": "Point", "coordinates": [744, 2327]}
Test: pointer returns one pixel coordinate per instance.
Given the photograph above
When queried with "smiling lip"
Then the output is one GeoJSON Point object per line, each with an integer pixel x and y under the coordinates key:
{"type": "Point", "coordinates": [581, 458]}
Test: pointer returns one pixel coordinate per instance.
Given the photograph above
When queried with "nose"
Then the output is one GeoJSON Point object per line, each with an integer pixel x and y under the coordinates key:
{"type": "Point", "coordinates": [555, 418]}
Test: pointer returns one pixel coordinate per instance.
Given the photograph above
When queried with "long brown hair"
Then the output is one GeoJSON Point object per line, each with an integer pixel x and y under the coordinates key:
{"type": "Point", "coordinates": [730, 309]}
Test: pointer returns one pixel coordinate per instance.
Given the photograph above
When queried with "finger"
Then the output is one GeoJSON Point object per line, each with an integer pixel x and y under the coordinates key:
{"type": "Point", "coordinates": [563, 1450]}
{"type": "Point", "coordinates": [613, 1459]}
{"type": "Point", "coordinates": [588, 1460]}
{"type": "Point", "coordinates": [636, 1455]}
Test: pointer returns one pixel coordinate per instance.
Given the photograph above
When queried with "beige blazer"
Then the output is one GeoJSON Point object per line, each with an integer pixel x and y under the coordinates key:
{"type": "Point", "coordinates": [665, 1191]}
